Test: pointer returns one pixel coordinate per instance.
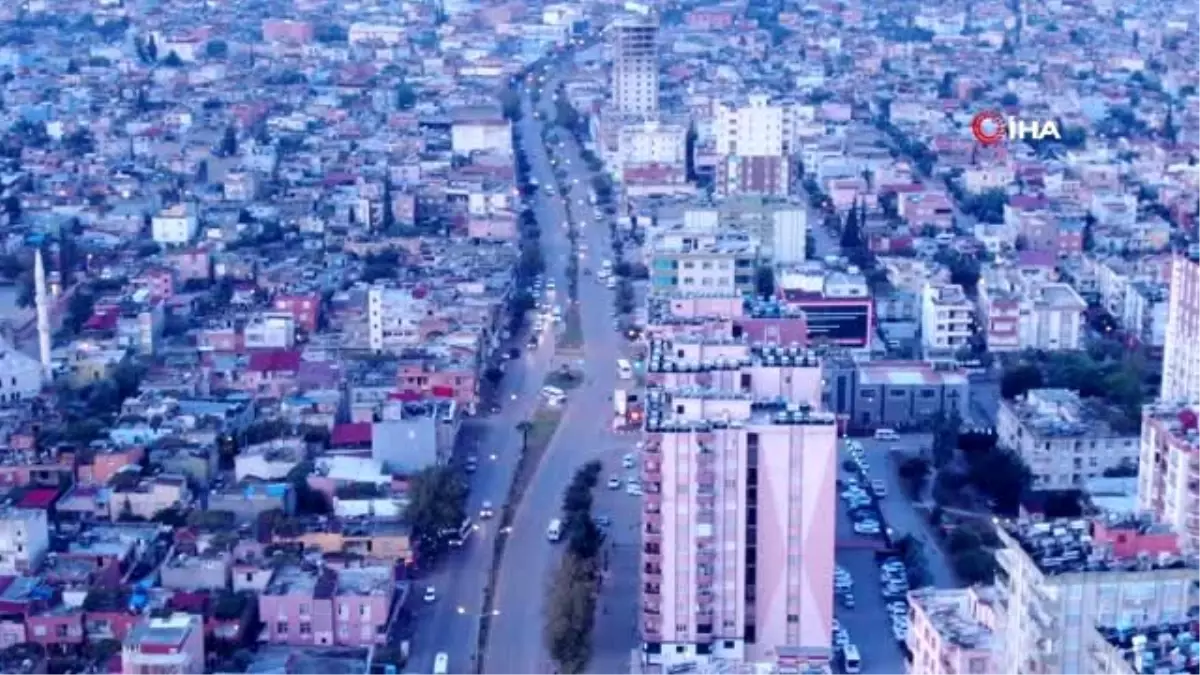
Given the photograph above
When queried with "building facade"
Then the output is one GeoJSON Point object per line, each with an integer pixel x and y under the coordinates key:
{"type": "Point", "coordinates": [750, 144]}
{"type": "Point", "coordinates": [1065, 440]}
{"type": "Point", "coordinates": [739, 468]}
{"type": "Point", "coordinates": [950, 631]}
{"type": "Point", "coordinates": [947, 319]}
{"type": "Point", "coordinates": [1169, 469]}
{"type": "Point", "coordinates": [1057, 581]}
{"type": "Point", "coordinates": [1181, 361]}
{"type": "Point", "coordinates": [634, 44]}
{"type": "Point", "coordinates": [172, 645]}
{"type": "Point", "coordinates": [24, 539]}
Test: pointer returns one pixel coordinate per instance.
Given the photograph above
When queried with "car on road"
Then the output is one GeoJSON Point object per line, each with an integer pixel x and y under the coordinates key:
{"type": "Point", "coordinates": [879, 488]}
{"type": "Point", "coordinates": [633, 489]}
{"type": "Point", "coordinates": [866, 528]}
{"type": "Point", "coordinates": [472, 464]}
{"type": "Point", "coordinates": [614, 483]}
{"type": "Point", "coordinates": [628, 461]}
{"type": "Point", "coordinates": [430, 594]}
{"type": "Point", "coordinates": [486, 510]}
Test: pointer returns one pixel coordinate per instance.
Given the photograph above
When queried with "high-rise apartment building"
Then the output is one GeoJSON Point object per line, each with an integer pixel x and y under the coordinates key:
{"type": "Point", "coordinates": [1058, 581]}
{"type": "Point", "coordinates": [749, 140]}
{"type": "Point", "coordinates": [739, 467]}
{"type": "Point", "coordinates": [1181, 361]}
{"type": "Point", "coordinates": [634, 43]}
{"type": "Point", "coordinates": [1169, 468]}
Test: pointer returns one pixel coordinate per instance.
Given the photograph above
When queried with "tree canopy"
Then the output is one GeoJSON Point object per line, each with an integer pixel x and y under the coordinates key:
{"type": "Point", "coordinates": [437, 503]}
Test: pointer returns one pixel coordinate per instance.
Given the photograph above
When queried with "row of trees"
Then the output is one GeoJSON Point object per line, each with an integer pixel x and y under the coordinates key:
{"type": "Point", "coordinates": [571, 610]}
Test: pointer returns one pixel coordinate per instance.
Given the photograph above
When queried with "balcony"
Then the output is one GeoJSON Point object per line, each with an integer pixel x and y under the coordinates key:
{"type": "Point", "coordinates": [652, 521]}
{"type": "Point", "coordinates": [651, 475]}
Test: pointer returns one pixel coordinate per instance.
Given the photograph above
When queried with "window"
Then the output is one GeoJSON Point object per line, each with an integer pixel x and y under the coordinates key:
{"type": "Point", "coordinates": [305, 628]}
{"type": "Point", "coordinates": [281, 627]}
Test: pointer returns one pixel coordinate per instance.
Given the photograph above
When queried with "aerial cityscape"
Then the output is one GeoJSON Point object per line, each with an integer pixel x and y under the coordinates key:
{"type": "Point", "coordinates": [617, 336]}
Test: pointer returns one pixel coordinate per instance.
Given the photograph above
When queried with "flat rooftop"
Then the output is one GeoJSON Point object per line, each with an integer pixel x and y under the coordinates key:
{"type": "Point", "coordinates": [1115, 543]}
{"type": "Point", "coordinates": [1164, 649]}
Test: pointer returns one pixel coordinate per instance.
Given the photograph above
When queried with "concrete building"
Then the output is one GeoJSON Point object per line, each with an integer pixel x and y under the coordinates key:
{"type": "Point", "coordinates": [739, 468]}
{"type": "Point", "coordinates": [1065, 440]}
{"type": "Point", "coordinates": [172, 645]}
{"type": "Point", "coordinates": [781, 225]}
{"type": "Point", "coordinates": [311, 606]}
{"type": "Point", "coordinates": [393, 318]}
{"type": "Point", "coordinates": [480, 130]}
{"type": "Point", "coordinates": [1157, 649]}
{"type": "Point", "coordinates": [1169, 468]}
{"type": "Point", "coordinates": [894, 394]}
{"type": "Point", "coordinates": [1181, 361]}
{"type": "Point", "coordinates": [175, 225]}
{"type": "Point", "coordinates": [749, 140]}
{"type": "Point", "coordinates": [634, 45]}
{"type": "Point", "coordinates": [651, 142]}
{"type": "Point", "coordinates": [20, 374]}
{"type": "Point", "coordinates": [950, 631]}
{"type": "Point", "coordinates": [1057, 581]}
{"type": "Point", "coordinates": [947, 319]}
{"type": "Point", "coordinates": [697, 261]}
{"type": "Point", "coordinates": [24, 539]}
{"type": "Point", "coordinates": [1018, 312]}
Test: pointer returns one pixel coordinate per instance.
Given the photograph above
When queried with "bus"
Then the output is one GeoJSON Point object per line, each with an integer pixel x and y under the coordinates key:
{"type": "Point", "coordinates": [850, 656]}
{"type": "Point", "coordinates": [624, 369]}
{"type": "Point", "coordinates": [441, 663]}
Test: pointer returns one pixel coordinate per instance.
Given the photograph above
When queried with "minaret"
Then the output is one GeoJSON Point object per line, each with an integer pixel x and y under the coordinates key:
{"type": "Point", "coordinates": [43, 312]}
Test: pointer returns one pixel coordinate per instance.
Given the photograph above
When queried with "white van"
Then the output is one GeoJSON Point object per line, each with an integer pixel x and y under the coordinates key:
{"type": "Point", "coordinates": [886, 435]}
{"type": "Point", "coordinates": [853, 661]}
{"type": "Point", "coordinates": [554, 531]}
{"type": "Point", "coordinates": [441, 664]}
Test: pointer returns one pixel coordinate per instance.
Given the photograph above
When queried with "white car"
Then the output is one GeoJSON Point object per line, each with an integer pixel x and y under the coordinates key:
{"type": "Point", "coordinates": [614, 483]}
{"type": "Point", "coordinates": [863, 528]}
{"type": "Point", "coordinates": [879, 488]}
{"type": "Point", "coordinates": [628, 461]}
{"type": "Point", "coordinates": [430, 594]}
{"type": "Point", "coordinates": [486, 511]}
{"type": "Point", "coordinates": [633, 489]}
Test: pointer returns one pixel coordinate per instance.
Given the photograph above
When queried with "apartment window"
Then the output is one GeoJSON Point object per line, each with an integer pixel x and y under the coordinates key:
{"type": "Point", "coordinates": [281, 627]}
{"type": "Point", "coordinates": [305, 628]}
{"type": "Point", "coordinates": [343, 610]}
{"type": "Point", "coordinates": [303, 609]}
{"type": "Point", "coordinates": [364, 611]}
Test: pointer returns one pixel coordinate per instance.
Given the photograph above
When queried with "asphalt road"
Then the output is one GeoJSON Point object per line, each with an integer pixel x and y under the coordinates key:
{"type": "Point", "coordinates": [450, 624]}
{"type": "Point", "coordinates": [515, 638]}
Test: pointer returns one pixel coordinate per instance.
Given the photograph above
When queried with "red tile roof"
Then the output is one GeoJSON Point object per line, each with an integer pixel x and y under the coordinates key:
{"type": "Point", "coordinates": [275, 361]}
{"type": "Point", "coordinates": [351, 433]}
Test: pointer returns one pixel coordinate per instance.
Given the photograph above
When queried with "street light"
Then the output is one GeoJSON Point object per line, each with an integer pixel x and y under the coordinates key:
{"type": "Point", "coordinates": [463, 611]}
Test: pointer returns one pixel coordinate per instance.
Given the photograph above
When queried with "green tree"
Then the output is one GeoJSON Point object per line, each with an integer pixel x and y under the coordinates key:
{"type": "Point", "coordinates": [406, 96]}
{"type": "Point", "coordinates": [764, 281]}
{"type": "Point", "coordinates": [915, 472]}
{"type": "Point", "coordinates": [570, 613]}
{"type": "Point", "coordinates": [229, 142]}
{"type": "Point", "coordinates": [172, 60]}
{"type": "Point", "coordinates": [437, 503]}
{"type": "Point", "coordinates": [216, 49]}
{"type": "Point", "coordinates": [945, 438]}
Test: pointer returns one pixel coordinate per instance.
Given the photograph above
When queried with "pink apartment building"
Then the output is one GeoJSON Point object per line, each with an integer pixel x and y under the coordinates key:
{"type": "Point", "coordinates": [1181, 359]}
{"type": "Point", "coordinates": [950, 631]}
{"type": "Point", "coordinates": [324, 607]}
{"type": "Point", "coordinates": [1169, 468]}
{"type": "Point", "coordinates": [739, 471]}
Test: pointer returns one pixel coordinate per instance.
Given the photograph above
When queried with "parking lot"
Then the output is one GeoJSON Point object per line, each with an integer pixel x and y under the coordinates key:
{"type": "Point", "coordinates": [868, 624]}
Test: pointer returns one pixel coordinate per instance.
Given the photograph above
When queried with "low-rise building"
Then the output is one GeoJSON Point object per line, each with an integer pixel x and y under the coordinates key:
{"type": "Point", "coordinates": [1064, 439]}
{"type": "Point", "coordinates": [950, 631]}
{"type": "Point", "coordinates": [1021, 312]}
{"type": "Point", "coordinates": [172, 645]}
{"type": "Point", "coordinates": [947, 319]}
{"type": "Point", "coordinates": [318, 606]}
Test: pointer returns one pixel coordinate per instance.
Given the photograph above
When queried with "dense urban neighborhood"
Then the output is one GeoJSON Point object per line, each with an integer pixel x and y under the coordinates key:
{"type": "Point", "coordinates": [722, 336]}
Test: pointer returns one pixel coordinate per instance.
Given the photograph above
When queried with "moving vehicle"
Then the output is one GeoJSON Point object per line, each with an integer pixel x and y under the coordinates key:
{"type": "Point", "coordinates": [459, 537]}
{"type": "Point", "coordinates": [430, 594]}
{"type": "Point", "coordinates": [614, 483]}
{"type": "Point", "coordinates": [554, 531]}
{"type": "Point", "coordinates": [553, 395]}
{"type": "Point", "coordinates": [624, 369]}
{"type": "Point", "coordinates": [486, 511]}
{"type": "Point", "coordinates": [441, 663]}
{"type": "Point", "coordinates": [886, 435]}
{"type": "Point", "coordinates": [851, 658]}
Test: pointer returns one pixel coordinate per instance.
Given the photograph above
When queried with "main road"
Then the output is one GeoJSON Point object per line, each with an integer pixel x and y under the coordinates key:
{"type": "Point", "coordinates": [515, 637]}
{"type": "Point", "coordinates": [450, 623]}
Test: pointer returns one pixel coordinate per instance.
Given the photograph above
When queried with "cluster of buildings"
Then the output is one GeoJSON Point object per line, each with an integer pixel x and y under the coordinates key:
{"type": "Point", "coordinates": [270, 253]}
{"type": "Point", "coordinates": [743, 147]}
